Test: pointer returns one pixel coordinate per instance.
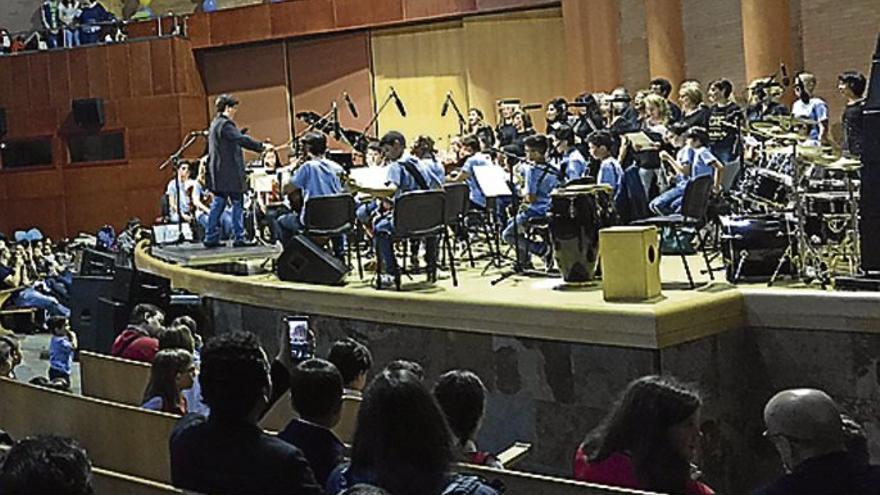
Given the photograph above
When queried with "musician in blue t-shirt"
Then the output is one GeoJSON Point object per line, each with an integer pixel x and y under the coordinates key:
{"type": "Point", "coordinates": [694, 160]}
{"type": "Point", "coordinates": [541, 179]}
{"type": "Point", "coordinates": [572, 165]}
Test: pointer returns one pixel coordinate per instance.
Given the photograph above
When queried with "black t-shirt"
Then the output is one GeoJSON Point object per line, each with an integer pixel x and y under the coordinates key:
{"type": "Point", "coordinates": [852, 128]}
{"type": "Point", "coordinates": [723, 124]}
{"type": "Point", "coordinates": [697, 118]}
{"type": "Point", "coordinates": [506, 134]}
{"type": "Point", "coordinates": [675, 112]}
{"type": "Point", "coordinates": [5, 272]}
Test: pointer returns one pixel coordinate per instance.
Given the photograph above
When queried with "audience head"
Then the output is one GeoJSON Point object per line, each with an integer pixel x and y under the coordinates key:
{"type": "Point", "coordinates": [7, 359]}
{"type": "Point", "coordinates": [226, 104]}
{"type": "Point", "coordinates": [423, 147]}
{"type": "Point", "coordinates": [46, 464]}
{"type": "Point", "coordinates": [802, 424]}
{"type": "Point", "coordinates": [316, 391]}
{"type": "Point", "coordinates": [402, 438]}
{"type": "Point", "coordinates": [187, 321]}
{"type": "Point", "coordinates": [314, 143]}
{"type": "Point", "coordinates": [462, 396]}
{"type": "Point", "coordinates": [363, 489]}
{"type": "Point", "coordinates": [656, 421]}
{"type": "Point", "coordinates": [600, 144]}
{"type": "Point", "coordinates": [172, 371]}
{"type": "Point", "coordinates": [852, 84]}
{"type": "Point", "coordinates": [661, 87]}
{"type": "Point", "coordinates": [353, 360]}
{"type": "Point", "coordinates": [235, 376]}
{"type": "Point", "coordinates": [147, 317]}
{"type": "Point", "coordinates": [471, 144]}
{"type": "Point", "coordinates": [177, 337]}
{"type": "Point", "coordinates": [536, 147]}
{"type": "Point", "coordinates": [697, 137]}
{"type": "Point", "coordinates": [393, 145]}
{"type": "Point", "coordinates": [58, 325]}
{"type": "Point", "coordinates": [407, 365]}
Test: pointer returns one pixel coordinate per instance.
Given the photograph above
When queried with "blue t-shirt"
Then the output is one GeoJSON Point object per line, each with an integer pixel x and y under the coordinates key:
{"type": "Point", "coordinates": [477, 160]}
{"type": "Point", "coordinates": [816, 110]}
{"type": "Point", "coordinates": [574, 164]}
{"type": "Point", "coordinates": [182, 197]}
{"type": "Point", "coordinates": [700, 162]}
{"type": "Point", "coordinates": [434, 166]}
{"type": "Point", "coordinates": [60, 354]}
{"type": "Point", "coordinates": [401, 177]}
{"type": "Point", "coordinates": [541, 180]}
{"type": "Point", "coordinates": [610, 172]}
{"type": "Point", "coordinates": [317, 178]}
{"type": "Point", "coordinates": [684, 157]}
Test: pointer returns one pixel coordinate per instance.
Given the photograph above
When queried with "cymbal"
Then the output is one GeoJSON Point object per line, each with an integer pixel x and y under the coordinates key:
{"type": "Point", "coordinates": [843, 163]}
{"type": "Point", "coordinates": [790, 120]}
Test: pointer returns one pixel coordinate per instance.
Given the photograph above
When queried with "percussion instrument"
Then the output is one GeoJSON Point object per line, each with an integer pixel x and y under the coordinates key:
{"type": "Point", "coordinates": [577, 213]}
{"type": "Point", "coordinates": [755, 244]}
{"type": "Point", "coordinates": [769, 187]}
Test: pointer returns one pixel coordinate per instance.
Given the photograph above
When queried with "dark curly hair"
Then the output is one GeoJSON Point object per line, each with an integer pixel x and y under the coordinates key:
{"type": "Point", "coordinates": [234, 374]}
{"type": "Point", "coordinates": [46, 464]}
{"type": "Point", "coordinates": [462, 396]}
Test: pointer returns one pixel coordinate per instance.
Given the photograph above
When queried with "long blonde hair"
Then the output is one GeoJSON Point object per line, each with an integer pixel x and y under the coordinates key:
{"type": "Point", "coordinates": [661, 103]}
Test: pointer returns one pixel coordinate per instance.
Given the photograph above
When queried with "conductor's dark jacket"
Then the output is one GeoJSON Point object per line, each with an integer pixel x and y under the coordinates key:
{"type": "Point", "coordinates": [225, 161]}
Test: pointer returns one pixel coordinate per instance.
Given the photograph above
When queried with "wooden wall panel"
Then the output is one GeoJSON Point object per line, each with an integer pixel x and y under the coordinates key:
{"type": "Point", "coordinates": [235, 26]}
{"type": "Point", "coordinates": [34, 121]}
{"type": "Point", "coordinates": [193, 114]}
{"type": "Point", "coordinates": [152, 142]}
{"type": "Point", "coordinates": [144, 173]}
{"type": "Point", "coordinates": [78, 65]}
{"type": "Point", "coordinates": [47, 213]}
{"type": "Point", "coordinates": [85, 181]}
{"type": "Point", "coordinates": [302, 16]}
{"type": "Point", "coordinates": [357, 13]}
{"type": "Point", "coordinates": [6, 82]}
{"type": "Point", "coordinates": [187, 79]}
{"type": "Point", "coordinates": [89, 216]}
{"type": "Point", "coordinates": [322, 68]}
{"type": "Point", "coordinates": [418, 9]}
{"type": "Point", "coordinates": [251, 67]}
{"type": "Point", "coordinates": [144, 203]}
{"type": "Point", "coordinates": [490, 5]}
{"type": "Point", "coordinates": [155, 111]}
{"type": "Point", "coordinates": [265, 112]}
{"type": "Point", "coordinates": [38, 78]}
{"type": "Point", "coordinates": [163, 67]}
{"type": "Point", "coordinates": [34, 184]}
{"type": "Point", "coordinates": [120, 79]}
{"type": "Point", "coordinates": [99, 73]}
{"type": "Point", "coordinates": [198, 28]}
{"type": "Point", "coordinates": [21, 94]}
{"type": "Point", "coordinates": [140, 69]}
{"type": "Point", "coordinates": [59, 87]}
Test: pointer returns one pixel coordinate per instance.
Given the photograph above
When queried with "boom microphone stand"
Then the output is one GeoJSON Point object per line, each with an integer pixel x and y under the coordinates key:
{"type": "Point", "coordinates": [450, 100]}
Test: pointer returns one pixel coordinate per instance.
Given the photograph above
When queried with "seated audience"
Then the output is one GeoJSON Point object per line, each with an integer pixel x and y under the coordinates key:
{"type": "Point", "coordinates": [62, 345]}
{"type": "Point", "coordinates": [648, 441]}
{"type": "Point", "coordinates": [462, 396]}
{"type": "Point", "coordinates": [405, 364]}
{"type": "Point", "coordinates": [806, 429]}
{"type": "Point", "coordinates": [227, 453]}
{"type": "Point", "coordinates": [180, 335]}
{"type": "Point", "coordinates": [316, 394]}
{"type": "Point", "coordinates": [10, 356]}
{"type": "Point", "coordinates": [46, 465]}
{"type": "Point", "coordinates": [173, 371]}
{"type": "Point", "coordinates": [177, 337]}
{"type": "Point", "coordinates": [140, 341]}
{"type": "Point", "coordinates": [364, 489]}
{"type": "Point", "coordinates": [353, 360]}
{"type": "Point", "coordinates": [16, 272]}
{"type": "Point", "coordinates": [402, 443]}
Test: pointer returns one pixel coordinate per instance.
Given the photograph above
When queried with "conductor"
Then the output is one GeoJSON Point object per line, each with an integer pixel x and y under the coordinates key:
{"type": "Point", "coordinates": [226, 171]}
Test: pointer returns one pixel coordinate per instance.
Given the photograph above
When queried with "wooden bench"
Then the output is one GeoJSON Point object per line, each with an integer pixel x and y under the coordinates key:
{"type": "Point", "coordinates": [112, 378]}
{"type": "Point", "coordinates": [118, 437]}
{"type": "Point", "coordinates": [13, 318]}
{"type": "Point", "coordinates": [523, 482]}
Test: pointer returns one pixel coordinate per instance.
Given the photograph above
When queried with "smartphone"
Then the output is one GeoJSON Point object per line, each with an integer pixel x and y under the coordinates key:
{"type": "Point", "coordinates": [298, 333]}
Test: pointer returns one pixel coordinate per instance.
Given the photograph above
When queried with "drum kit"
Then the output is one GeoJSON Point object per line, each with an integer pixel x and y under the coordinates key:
{"type": "Point", "coordinates": [795, 209]}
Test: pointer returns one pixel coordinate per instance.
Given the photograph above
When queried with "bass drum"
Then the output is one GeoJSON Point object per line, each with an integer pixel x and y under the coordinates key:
{"type": "Point", "coordinates": [577, 213]}
{"type": "Point", "coordinates": [754, 245]}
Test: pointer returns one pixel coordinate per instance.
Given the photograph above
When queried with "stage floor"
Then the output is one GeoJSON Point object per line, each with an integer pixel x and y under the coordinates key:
{"type": "Point", "coordinates": [535, 307]}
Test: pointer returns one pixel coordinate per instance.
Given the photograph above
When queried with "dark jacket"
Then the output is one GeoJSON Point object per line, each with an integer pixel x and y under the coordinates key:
{"type": "Point", "coordinates": [321, 446]}
{"type": "Point", "coordinates": [225, 161]}
{"type": "Point", "coordinates": [831, 474]}
{"type": "Point", "coordinates": [220, 457]}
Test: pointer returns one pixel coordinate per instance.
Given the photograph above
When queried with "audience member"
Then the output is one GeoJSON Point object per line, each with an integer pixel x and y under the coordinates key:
{"type": "Point", "coordinates": [46, 465]}
{"type": "Point", "coordinates": [49, 17]}
{"type": "Point", "coordinates": [140, 341]}
{"type": "Point", "coordinates": [227, 453]}
{"type": "Point", "coordinates": [10, 356]}
{"type": "Point", "coordinates": [62, 345]}
{"type": "Point", "coordinates": [91, 16]}
{"type": "Point", "coordinates": [68, 14]}
{"type": "Point", "coordinates": [177, 337]}
{"type": "Point", "coordinates": [462, 396]}
{"type": "Point", "coordinates": [182, 334]}
{"type": "Point", "coordinates": [402, 442]}
{"type": "Point", "coordinates": [316, 394]}
{"type": "Point", "coordinates": [806, 429]}
{"type": "Point", "coordinates": [353, 360]}
{"type": "Point", "coordinates": [405, 364]}
{"type": "Point", "coordinates": [648, 441]}
{"type": "Point", "coordinates": [16, 273]}
{"type": "Point", "coordinates": [364, 489]}
{"type": "Point", "coordinates": [173, 371]}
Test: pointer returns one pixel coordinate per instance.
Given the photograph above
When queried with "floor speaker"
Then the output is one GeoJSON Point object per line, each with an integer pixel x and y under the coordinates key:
{"type": "Point", "coordinates": [305, 261]}
{"type": "Point", "coordinates": [3, 128]}
{"type": "Point", "coordinates": [84, 294]}
{"type": "Point", "coordinates": [111, 319]}
{"type": "Point", "coordinates": [88, 112]}
{"type": "Point", "coordinates": [630, 259]}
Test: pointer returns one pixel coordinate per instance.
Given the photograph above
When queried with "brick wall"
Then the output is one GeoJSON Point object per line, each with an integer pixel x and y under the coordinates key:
{"type": "Point", "coordinates": [713, 43]}
{"type": "Point", "coordinates": [634, 72]}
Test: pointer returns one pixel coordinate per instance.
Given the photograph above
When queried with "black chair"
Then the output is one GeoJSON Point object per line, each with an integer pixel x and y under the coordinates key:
{"type": "Point", "coordinates": [419, 215]}
{"type": "Point", "coordinates": [457, 203]}
{"type": "Point", "coordinates": [694, 205]}
{"type": "Point", "coordinates": [330, 216]}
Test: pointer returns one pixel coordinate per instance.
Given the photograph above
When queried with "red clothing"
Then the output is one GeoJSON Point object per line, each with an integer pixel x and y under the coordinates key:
{"type": "Point", "coordinates": [135, 345]}
{"type": "Point", "coordinates": [617, 470]}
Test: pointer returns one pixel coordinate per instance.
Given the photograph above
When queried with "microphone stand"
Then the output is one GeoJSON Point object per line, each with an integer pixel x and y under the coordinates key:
{"type": "Point", "coordinates": [378, 112]}
{"type": "Point", "coordinates": [462, 122]}
{"type": "Point", "coordinates": [175, 161]}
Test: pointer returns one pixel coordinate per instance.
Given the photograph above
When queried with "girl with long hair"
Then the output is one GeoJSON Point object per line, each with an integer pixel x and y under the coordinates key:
{"type": "Point", "coordinates": [648, 441]}
{"type": "Point", "coordinates": [173, 371]}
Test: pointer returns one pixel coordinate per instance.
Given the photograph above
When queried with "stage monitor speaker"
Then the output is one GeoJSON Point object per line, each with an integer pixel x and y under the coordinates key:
{"type": "Point", "coordinates": [630, 258]}
{"type": "Point", "coordinates": [305, 261]}
{"type": "Point", "coordinates": [110, 321]}
{"type": "Point", "coordinates": [89, 112]}
{"type": "Point", "coordinates": [3, 128]}
{"type": "Point", "coordinates": [84, 294]}
{"type": "Point", "coordinates": [96, 262]}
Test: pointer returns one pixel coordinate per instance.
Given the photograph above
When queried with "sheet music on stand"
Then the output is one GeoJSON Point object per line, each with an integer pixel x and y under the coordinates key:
{"type": "Point", "coordinates": [262, 181]}
{"type": "Point", "coordinates": [642, 141]}
{"type": "Point", "coordinates": [370, 177]}
{"type": "Point", "coordinates": [492, 180]}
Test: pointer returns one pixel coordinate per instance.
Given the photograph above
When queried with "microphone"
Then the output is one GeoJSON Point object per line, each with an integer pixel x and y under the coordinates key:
{"type": "Point", "coordinates": [400, 107]}
{"type": "Point", "coordinates": [199, 133]}
{"type": "Point", "coordinates": [351, 107]}
{"type": "Point", "coordinates": [337, 132]}
{"type": "Point", "coordinates": [785, 80]}
{"type": "Point", "coordinates": [532, 106]}
{"type": "Point", "coordinates": [445, 104]}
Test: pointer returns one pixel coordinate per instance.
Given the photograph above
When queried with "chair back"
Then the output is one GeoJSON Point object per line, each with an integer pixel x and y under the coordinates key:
{"type": "Point", "coordinates": [418, 213]}
{"type": "Point", "coordinates": [329, 214]}
{"type": "Point", "coordinates": [695, 201]}
{"type": "Point", "coordinates": [457, 201]}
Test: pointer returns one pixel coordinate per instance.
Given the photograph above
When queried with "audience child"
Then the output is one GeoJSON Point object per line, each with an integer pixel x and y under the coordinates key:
{"type": "Point", "coordinates": [806, 428]}
{"type": "Point", "coordinates": [402, 442]}
{"type": "Point", "coordinates": [353, 360]}
{"type": "Point", "coordinates": [172, 372]}
{"type": "Point", "coordinates": [180, 336]}
{"type": "Point", "coordinates": [177, 337]}
{"type": "Point", "coordinates": [405, 364]}
{"type": "Point", "coordinates": [62, 345]}
{"type": "Point", "coordinates": [227, 453]}
{"type": "Point", "coordinates": [648, 441]}
{"type": "Point", "coordinates": [462, 397]}
{"type": "Point", "coordinates": [316, 394]}
{"type": "Point", "coordinates": [46, 465]}
{"type": "Point", "coordinates": [140, 342]}
{"type": "Point", "coordinates": [190, 323]}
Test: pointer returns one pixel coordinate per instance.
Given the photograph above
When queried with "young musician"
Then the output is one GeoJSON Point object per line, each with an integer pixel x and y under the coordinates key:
{"type": "Point", "coordinates": [764, 100]}
{"type": "Point", "coordinates": [572, 164]}
{"type": "Point", "coordinates": [851, 85]}
{"type": "Point", "coordinates": [810, 107]}
{"type": "Point", "coordinates": [470, 148]}
{"type": "Point", "coordinates": [176, 191]}
{"type": "Point", "coordinates": [691, 163]}
{"type": "Point", "coordinates": [663, 88]}
{"type": "Point", "coordinates": [725, 118]}
{"type": "Point", "coordinates": [226, 172]}
{"type": "Point", "coordinates": [506, 130]}
{"type": "Point", "coordinates": [522, 124]}
{"type": "Point", "coordinates": [478, 127]}
{"type": "Point", "coordinates": [610, 171]}
{"type": "Point", "coordinates": [541, 180]}
{"type": "Point", "coordinates": [317, 177]}
{"type": "Point", "coordinates": [556, 114]}
{"type": "Point", "coordinates": [694, 112]}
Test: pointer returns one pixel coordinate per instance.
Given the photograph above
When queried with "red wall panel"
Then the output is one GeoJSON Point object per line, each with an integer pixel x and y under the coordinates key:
{"type": "Point", "coordinates": [38, 79]}
{"type": "Point", "coordinates": [417, 9]}
{"type": "Point", "coordinates": [357, 13]}
{"type": "Point", "coordinates": [6, 82]}
{"type": "Point", "coordinates": [59, 69]}
{"type": "Point", "coordinates": [151, 142]}
{"type": "Point", "coordinates": [296, 17]}
{"type": "Point", "coordinates": [154, 111]}
{"type": "Point", "coordinates": [163, 66]}
{"type": "Point", "coordinates": [34, 184]}
{"type": "Point", "coordinates": [243, 68]}
{"type": "Point", "coordinates": [78, 67]}
{"type": "Point", "coordinates": [140, 69]}
{"type": "Point", "coordinates": [46, 213]}
{"type": "Point", "coordinates": [233, 26]}
{"type": "Point", "coordinates": [99, 73]}
{"type": "Point", "coordinates": [488, 5]}
{"type": "Point", "coordinates": [21, 93]}
{"type": "Point", "coordinates": [120, 83]}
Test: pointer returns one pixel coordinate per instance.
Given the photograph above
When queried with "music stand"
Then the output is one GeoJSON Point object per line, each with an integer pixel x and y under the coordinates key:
{"type": "Point", "coordinates": [492, 180]}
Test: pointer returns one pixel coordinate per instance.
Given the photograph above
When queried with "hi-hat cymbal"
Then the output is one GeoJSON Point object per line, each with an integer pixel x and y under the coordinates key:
{"type": "Point", "coordinates": [790, 120]}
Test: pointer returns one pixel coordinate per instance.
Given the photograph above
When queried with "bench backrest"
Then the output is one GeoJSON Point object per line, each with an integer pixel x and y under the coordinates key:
{"type": "Point", "coordinates": [522, 482]}
{"type": "Point", "coordinates": [112, 378]}
{"type": "Point", "coordinates": [112, 483]}
{"type": "Point", "coordinates": [118, 437]}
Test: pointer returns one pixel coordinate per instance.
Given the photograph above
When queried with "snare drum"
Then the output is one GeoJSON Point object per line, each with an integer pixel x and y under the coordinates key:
{"type": "Point", "coordinates": [577, 213]}
{"type": "Point", "coordinates": [770, 187]}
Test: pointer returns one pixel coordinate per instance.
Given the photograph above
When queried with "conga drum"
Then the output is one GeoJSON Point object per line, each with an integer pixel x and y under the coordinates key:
{"type": "Point", "coordinates": [577, 213]}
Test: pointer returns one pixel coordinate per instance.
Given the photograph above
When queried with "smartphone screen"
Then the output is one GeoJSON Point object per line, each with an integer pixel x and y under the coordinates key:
{"type": "Point", "coordinates": [298, 333]}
